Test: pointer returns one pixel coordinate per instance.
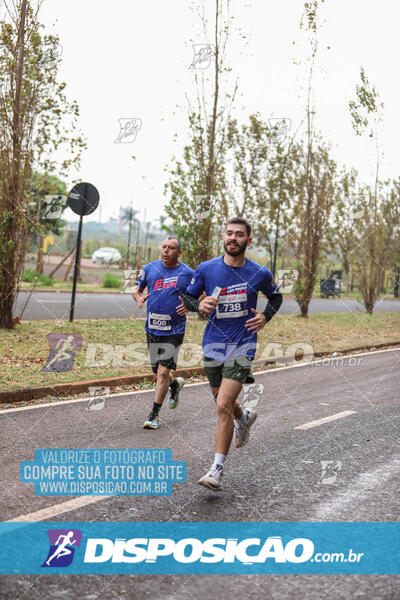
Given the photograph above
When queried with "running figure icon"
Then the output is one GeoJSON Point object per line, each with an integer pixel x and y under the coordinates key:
{"type": "Point", "coordinates": [62, 549]}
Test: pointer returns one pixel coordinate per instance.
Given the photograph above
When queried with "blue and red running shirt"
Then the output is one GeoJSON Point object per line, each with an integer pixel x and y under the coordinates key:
{"type": "Point", "coordinates": [225, 335]}
{"type": "Point", "coordinates": [164, 285]}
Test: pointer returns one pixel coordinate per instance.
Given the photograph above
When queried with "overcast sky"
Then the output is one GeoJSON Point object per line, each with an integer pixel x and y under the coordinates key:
{"type": "Point", "coordinates": [130, 59]}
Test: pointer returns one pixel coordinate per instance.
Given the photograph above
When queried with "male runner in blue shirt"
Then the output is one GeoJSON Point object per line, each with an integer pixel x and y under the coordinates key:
{"type": "Point", "coordinates": [231, 283]}
{"type": "Point", "coordinates": [165, 280]}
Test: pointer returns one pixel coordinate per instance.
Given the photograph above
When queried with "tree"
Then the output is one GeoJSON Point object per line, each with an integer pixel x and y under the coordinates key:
{"type": "Point", "coordinates": [261, 177]}
{"type": "Point", "coordinates": [197, 183]}
{"type": "Point", "coordinates": [35, 120]}
{"type": "Point", "coordinates": [378, 240]}
{"type": "Point", "coordinates": [310, 217]}
{"type": "Point", "coordinates": [366, 118]}
{"type": "Point", "coordinates": [91, 245]}
{"type": "Point", "coordinates": [348, 208]}
{"type": "Point", "coordinates": [128, 216]}
{"type": "Point", "coordinates": [315, 188]}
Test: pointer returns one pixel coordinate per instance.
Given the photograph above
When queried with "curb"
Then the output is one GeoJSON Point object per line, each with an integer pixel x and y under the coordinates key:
{"type": "Point", "coordinates": [78, 387]}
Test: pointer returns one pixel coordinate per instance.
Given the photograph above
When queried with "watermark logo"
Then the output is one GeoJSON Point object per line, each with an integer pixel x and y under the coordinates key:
{"type": "Point", "coordinates": [203, 54]}
{"type": "Point", "coordinates": [97, 399]}
{"type": "Point", "coordinates": [53, 206]}
{"type": "Point", "coordinates": [340, 361]}
{"type": "Point", "coordinates": [251, 395]}
{"type": "Point", "coordinates": [128, 129]}
{"type": "Point", "coordinates": [280, 128]}
{"type": "Point", "coordinates": [203, 205]}
{"type": "Point", "coordinates": [62, 351]}
{"type": "Point", "coordinates": [136, 354]}
{"type": "Point", "coordinates": [286, 280]}
{"type": "Point", "coordinates": [330, 470]}
{"type": "Point", "coordinates": [62, 547]}
{"type": "Point", "coordinates": [131, 281]}
{"type": "Point", "coordinates": [358, 206]}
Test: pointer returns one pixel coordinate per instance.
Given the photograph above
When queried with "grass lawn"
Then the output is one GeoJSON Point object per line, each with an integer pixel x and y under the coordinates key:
{"type": "Point", "coordinates": [24, 350]}
{"type": "Point", "coordinates": [66, 286]}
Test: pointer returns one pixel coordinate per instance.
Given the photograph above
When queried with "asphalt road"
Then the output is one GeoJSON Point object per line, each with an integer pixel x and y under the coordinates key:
{"type": "Point", "coordinates": [276, 477]}
{"type": "Point", "coordinates": [46, 305]}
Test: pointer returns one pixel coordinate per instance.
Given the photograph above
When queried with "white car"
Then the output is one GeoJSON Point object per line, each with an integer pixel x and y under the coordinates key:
{"type": "Point", "coordinates": [106, 255]}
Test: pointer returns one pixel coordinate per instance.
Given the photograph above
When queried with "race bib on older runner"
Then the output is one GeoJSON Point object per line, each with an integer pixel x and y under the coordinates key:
{"type": "Point", "coordinates": [157, 321]}
{"type": "Point", "coordinates": [231, 306]}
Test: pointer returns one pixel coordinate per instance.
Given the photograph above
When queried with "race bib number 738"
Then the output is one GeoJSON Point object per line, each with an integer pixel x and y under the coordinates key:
{"type": "Point", "coordinates": [232, 306]}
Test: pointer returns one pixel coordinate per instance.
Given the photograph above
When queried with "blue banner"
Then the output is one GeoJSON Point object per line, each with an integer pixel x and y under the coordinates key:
{"type": "Point", "coordinates": [192, 548]}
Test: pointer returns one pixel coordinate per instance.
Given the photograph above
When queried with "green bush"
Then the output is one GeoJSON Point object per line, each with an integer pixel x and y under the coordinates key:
{"type": "Point", "coordinates": [111, 281]}
{"type": "Point", "coordinates": [46, 280]}
{"type": "Point", "coordinates": [29, 275]}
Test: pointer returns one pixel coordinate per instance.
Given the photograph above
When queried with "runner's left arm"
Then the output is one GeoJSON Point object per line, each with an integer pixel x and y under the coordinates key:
{"type": "Point", "coordinates": [270, 289]}
{"type": "Point", "coordinates": [259, 319]}
{"type": "Point", "coordinates": [273, 305]}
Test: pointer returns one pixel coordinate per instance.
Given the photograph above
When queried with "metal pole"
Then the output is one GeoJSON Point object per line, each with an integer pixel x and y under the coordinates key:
{"type": "Point", "coordinates": [78, 249]}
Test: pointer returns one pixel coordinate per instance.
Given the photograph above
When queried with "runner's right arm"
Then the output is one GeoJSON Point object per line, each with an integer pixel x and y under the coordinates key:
{"type": "Point", "coordinates": [190, 302]}
{"type": "Point", "coordinates": [141, 284]}
{"type": "Point", "coordinates": [194, 298]}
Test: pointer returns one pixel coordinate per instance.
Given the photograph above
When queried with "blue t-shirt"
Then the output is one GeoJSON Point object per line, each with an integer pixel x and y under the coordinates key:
{"type": "Point", "coordinates": [164, 285]}
{"type": "Point", "coordinates": [225, 335]}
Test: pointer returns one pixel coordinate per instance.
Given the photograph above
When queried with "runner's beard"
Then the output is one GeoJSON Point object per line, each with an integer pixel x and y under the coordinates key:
{"type": "Point", "coordinates": [240, 249]}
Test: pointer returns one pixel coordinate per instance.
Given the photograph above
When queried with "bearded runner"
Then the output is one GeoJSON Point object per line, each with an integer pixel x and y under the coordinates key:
{"type": "Point", "coordinates": [231, 283]}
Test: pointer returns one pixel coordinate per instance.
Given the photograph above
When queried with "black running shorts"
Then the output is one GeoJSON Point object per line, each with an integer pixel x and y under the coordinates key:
{"type": "Point", "coordinates": [163, 349]}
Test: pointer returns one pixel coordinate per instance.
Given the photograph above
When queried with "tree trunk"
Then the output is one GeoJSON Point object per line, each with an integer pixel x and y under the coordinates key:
{"type": "Point", "coordinates": [139, 258]}
{"type": "Point", "coordinates": [210, 175]}
{"type": "Point", "coordinates": [304, 310]}
{"type": "Point", "coordinates": [71, 262]}
{"type": "Point", "coordinates": [62, 262]}
{"type": "Point", "coordinates": [39, 257]}
{"type": "Point", "coordinates": [347, 273]}
{"type": "Point", "coordinates": [6, 312]}
{"type": "Point", "coordinates": [12, 225]}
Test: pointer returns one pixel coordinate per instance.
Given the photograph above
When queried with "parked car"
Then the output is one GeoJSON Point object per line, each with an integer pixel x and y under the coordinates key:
{"type": "Point", "coordinates": [106, 255]}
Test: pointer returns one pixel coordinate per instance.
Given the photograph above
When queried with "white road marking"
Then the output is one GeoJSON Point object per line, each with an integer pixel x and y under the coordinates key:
{"type": "Point", "coordinates": [340, 415]}
{"type": "Point", "coordinates": [47, 301]}
{"type": "Point", "coordinates": [75, 401]}
{"type": "Point", "coordinates": [358, 490]}
{"type": "Point", "coordinates": [119, 394]}
{"type": "Point", "coordinates": [57, 509]}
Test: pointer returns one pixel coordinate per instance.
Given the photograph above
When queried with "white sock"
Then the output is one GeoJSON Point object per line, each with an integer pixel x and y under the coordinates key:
{"type": "Point", "coordinates": [244, 418]}
{"type": "Point", "coordinates": [219, 459]}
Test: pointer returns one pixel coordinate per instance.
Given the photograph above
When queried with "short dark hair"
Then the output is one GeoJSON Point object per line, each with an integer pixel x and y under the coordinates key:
{"type": "Point", "coordinates": [241, 221]}
{"type": "Point", "coordinates": [173, 237]}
